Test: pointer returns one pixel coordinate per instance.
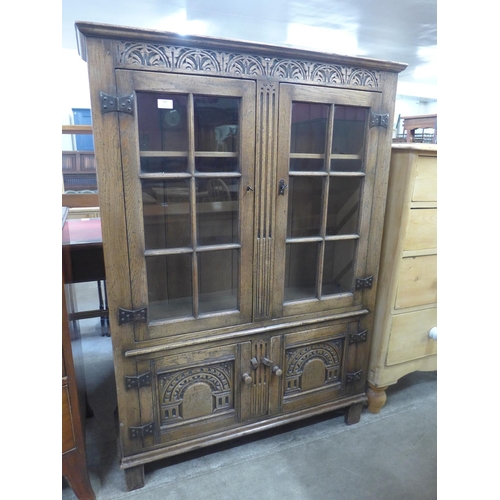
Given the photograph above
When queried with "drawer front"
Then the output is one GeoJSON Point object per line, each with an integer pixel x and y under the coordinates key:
{"type": "Point", "coordinates": [417, 282]}
{"type": "Point", "coordinates": [409, 336]}
{"type": "Point", "coordinates": [421, 231]}
{"type": "Point", "coordinates": [425, 186]}
{"type": "Point", "coordinates": [68, 435]}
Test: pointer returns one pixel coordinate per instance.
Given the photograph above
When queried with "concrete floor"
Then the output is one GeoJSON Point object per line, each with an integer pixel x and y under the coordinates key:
{"type": "Point", "coordinates": [388, 456]}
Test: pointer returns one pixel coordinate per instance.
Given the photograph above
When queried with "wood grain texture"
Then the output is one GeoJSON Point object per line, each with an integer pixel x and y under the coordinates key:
{"type": "Point", "coordinates": [407, 300]}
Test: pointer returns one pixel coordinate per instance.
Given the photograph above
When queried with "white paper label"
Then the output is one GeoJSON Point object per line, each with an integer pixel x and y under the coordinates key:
{"type": "Point", "coordinates": [165, 103]}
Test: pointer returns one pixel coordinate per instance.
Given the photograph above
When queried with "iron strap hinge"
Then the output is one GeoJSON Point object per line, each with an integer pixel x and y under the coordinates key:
{"type": "Point", "coordinates": [353, 377]}
{"type": "Point", "coordinates": [141, 431]}
{"type": "Point", "coordinates": [112, 103]}
{"type": "Point", "coordinates": [138, 381]}
{"type": "Point", "coordinates": [136, 316]}
{"type": "Point", "coordinates": [379, 120]}
{"type": "Point", "coordinates": [356, 338]}
{"type": "Point", "coordinates": [364, 282]}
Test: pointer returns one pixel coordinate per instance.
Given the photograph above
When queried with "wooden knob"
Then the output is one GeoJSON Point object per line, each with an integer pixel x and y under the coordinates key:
{"type": "Point", "coordinates": [246, 378]}
{"type": "Point", "coordinates": [277, 371]}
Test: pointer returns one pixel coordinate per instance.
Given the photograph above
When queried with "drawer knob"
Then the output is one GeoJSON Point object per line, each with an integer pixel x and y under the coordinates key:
{"type": "Point", "coordinates": [246, 378]}
{"type": "Point", "coordinates": [433, 333]}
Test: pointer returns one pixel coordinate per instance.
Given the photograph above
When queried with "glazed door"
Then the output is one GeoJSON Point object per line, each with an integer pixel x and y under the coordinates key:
{"type": "Point", "coordinates": [326, 164]}
{"type": "Point", "coordinates": [187, 158]}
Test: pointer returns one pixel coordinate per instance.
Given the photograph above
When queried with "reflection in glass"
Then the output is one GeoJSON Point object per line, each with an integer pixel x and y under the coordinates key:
{"type": "Point", "coordinates": [343, 205]}
{"type": "Point", "coordinates": [218, 280]}
{"type": "Point", "coordinates": [217, 210]}
{"type": "Point", "coordinates": [163, 165]}
{"type": "Point", "coordinates": [338, 165]}
{"type": "Point", "coordinates": [306, 165]}
{"type": "Point", "coordinates": [216, 124]}
{"type": "Point", "coordinates": [166, 208]}
{"type": "Point", "coordinates": [163, 124]}
{"type": "Point", "coordinates": [169, 286]}
{"type": "Point", "coordinates": [348, 130]}
{"type": "Point", "coordinates": [211, 165]}
{"type": "Point", "coordinates": [338, 267]}
{"type": "Point", "coordinates": [304, 206]}
{"type": "Point", "coordinates": [300, 271]}
{"type": "Point", "coordinates": [309, 125]}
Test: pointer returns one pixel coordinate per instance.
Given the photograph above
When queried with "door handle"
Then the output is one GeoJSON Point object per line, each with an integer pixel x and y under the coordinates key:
{"type": "Point", "coordinates": [274, 368]}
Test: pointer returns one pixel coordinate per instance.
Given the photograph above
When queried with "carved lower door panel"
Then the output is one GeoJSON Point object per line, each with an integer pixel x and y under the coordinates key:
{"type": "Point", "coordinates": [193, 394]}
{"type": "Point", "coordinates": [317, 366]}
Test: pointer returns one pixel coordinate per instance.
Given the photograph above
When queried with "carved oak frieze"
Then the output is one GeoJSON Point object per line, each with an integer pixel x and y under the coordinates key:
{"type": "Point", "coordinates": [206, 61]}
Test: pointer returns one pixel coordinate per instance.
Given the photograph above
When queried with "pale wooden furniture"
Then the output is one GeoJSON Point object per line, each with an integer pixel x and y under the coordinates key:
{"type": "Point", "coordinates": [74, 464]}
{"type": "Point", "coordinates": [406, 309]}
{"type": "Point", "coordinates": [250, 307]}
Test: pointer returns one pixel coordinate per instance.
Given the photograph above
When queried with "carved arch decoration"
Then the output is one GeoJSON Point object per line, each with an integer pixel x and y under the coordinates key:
{"type": "Point", "coordinates": [173, 387]}
{"type": "Point", "coordinates": [329, 353]}
{"type": "Point", "coordinates": [206, 62]}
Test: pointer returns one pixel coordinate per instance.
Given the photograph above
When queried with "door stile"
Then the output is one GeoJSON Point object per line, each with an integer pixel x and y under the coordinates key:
{"type": "Point", "coordinates": [114, 231]}
{"type": "Point", "coordinates": [265, 167]}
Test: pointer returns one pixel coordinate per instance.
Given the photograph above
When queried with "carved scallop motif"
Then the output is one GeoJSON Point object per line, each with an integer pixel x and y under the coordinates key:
{"type": "Point", "coordinates": [145, 55]}
{"type": "Point", "coordinates": [289, 70]}
{"type": "Point", "coordinates": [240, 65]}
{"type": "Point", "coordinates": [197, 60]}
{"type": "Point", "coordinates": [325, 73]}
{"type": "Point", "coordinates": [362, 77]}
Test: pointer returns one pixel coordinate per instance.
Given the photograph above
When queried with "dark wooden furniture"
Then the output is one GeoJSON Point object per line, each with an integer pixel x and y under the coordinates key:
{"type": "Point", "coordinates": [87, 264]}
{"type": "Point", "coordinates": [412, 123]}
{"type": "Point", "coordinates": [78, 167]}
{"type": "Point", "coordinates": [254, 309]}
{"type": "Point", "coordinates": [74, 465]}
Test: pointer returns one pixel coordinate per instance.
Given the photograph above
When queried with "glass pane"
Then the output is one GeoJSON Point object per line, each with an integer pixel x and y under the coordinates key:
{"type": "Point", "coordinates": [304, 206]}
{"type": "Point", "coordinates": [169, 286]}
{"type": "Point", "coordinates": [166, 207]}
{"type": "Point", "coordinates": [348, 130]}
{"type": "Point", "coordinates": [300, 271]}
{"type": "Point", "coordinates": [338, 165]}
{"type": "Point", "coordinates": [309, 125]}
{"type": "Point", "coordinates": [343, 205]}
{"type": "Point", "coordinates": [212, 165]}
{"type": "Point", "coordinates": [162, 122]}
{"type": "Point", "coordinates": [216, 124]}
{"type": "Point", "coordinates": [218, 280]}
{"type": "Point", "coordinates": [306, 165]}
{"type": "Point", "coordinates": [217, 210]}
{"type": "Point", "coordinates": [338, 267]}
{"type": "Point", "coordinates": [164, 165]}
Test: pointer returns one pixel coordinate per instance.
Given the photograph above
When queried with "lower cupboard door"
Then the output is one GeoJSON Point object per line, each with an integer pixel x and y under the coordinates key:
{"type": "Point", "coordinates": [315, 367]}
{"type": "Point", "coordinates": [193, 394]}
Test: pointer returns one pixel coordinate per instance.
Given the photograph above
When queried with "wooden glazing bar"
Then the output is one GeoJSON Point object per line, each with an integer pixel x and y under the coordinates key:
{"type": "Point", "coordinates": [307, 156]}
{"type": "Point", "coordinates": [167, 251]}
{"type": "Point", "coordinates": [340, 237]}
{"type": "Point", "coordinates": [192, 200]}
{"type": "Point", "coordinates": [163, 154]}
{"type": "Point", "coordinates": [307, 174]}
{"type": "Point", "coordinates": [211, 248]}
{"type": "Point", "coordinates": [215, 154]}
{"type": "Point", "coordinates": [218, 175]}
{"type": "Point", "coordinates": [347, 174]}
{"type": "Point", "coordinates": [307, 239]}
{"type": "Point", "coordinates": [324, 204]}
{"type": "Point", "coordinates": [178, 175]}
